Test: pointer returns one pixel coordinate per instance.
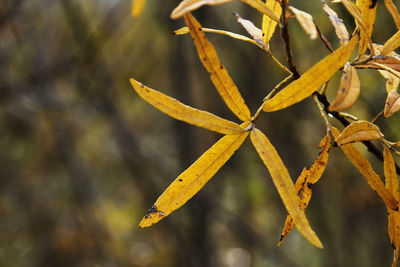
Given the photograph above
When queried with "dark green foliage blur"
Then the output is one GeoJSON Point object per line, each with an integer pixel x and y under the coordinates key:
{"type": "Point", "coordinates": [82, 157]}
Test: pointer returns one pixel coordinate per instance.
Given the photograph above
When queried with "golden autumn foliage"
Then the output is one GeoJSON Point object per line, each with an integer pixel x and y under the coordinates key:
{"type": "Point", "coordinates": [293, 89]}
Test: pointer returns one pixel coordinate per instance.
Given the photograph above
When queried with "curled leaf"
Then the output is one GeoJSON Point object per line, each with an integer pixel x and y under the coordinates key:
{"type": "Point", "coordinates": [393, 11]}
{"type": "Point", "coordinates": [218, 73]}
{"type": "Point", "coordinates": [349, 89]}
{"type": "Point", "coordinates": [306, 21]}
{"type": "Point", "coordinates": [359, 131]}
{"type": "Point", "coordinates": [310, 81]}
{"type": "Point", "coordinates": [368, 14]}
{"type": "Point", "coordinates": [305, 181]}
{"type": "Point", "coordinates": [185, 113]}
{"type": "Point", "coordinates": [392, 82]}
{"type": "Point", "coordinates": [268, 24]}
{"type": "Point", "coordinates": [193, 179]}
{"type": "Point", "coordinates": [255, 32]}
{"type": "Point", "coordinates": [392, 104]}
{"type": "Point", "coordinates": [365, 168]}
{"type": "Point", "coordinates": [391, 44]}
{"type": "Point", "coordinates": [189, 5]}
{"type": "Point", "coordinates": [340, 28]}
{"type": "Point", "coordinates": [281, 178]}
{"type": "Point", "coordinates": [264, 9]}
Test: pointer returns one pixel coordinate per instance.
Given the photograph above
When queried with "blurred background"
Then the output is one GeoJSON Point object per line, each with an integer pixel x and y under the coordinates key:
{"type": "Point", "coordinates": [83, 157]}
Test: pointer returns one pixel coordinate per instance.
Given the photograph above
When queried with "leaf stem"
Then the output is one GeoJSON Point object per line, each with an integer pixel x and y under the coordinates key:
{"type": "Point", "coordinates": [321, 111]}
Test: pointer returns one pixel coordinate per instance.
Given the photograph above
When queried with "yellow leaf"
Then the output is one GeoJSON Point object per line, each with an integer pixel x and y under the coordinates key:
{"type": "Point", "coordinates": [219, 75]}
{"type": "Point", "coordinates": [337, 23]}
{"type": "Point", "coordinates": [284, 184]}
{"type": "Point", "coordinates": [185, 30]}
{"type": "Point", "coordinates": [305, 181]}
{"type": "Point", "coordinates": [306, 21]}
{"type": "Point", "coordinates": [193, 179]}
{"type": "Point", "coordinates": [365, 168]}
{"type": "Point", "coordinates": [360, 19]}
{"type": "Point", "coordinates": [310, 81]}
{"type": "Point", "coordinates": [255, 32]}
{"type": "Point", "coordinates": [264, 9]}
{"type": "Point", "coordinates": [359, 131]}
{"type": "Point", "coordinates": [185, 113]}
{"type": "Point", "coordinates": [391, 44]}
{"type": "Point", "coordinates": [392, 104]}
{"type": "Point", "coordinates": [393, 11]}
{"type": "Point", "coordinates": [368, 14]}
{"type": "Point", "coordinates": [349, 89]}
{"type": "Point", "coordinates": [269, 25]}
{"type": "Point", "coordinates": [189, 5]}
{"type": "Point", "coordinates": [392, 185]}
{"type": "Point", "coordinates": [137, 7]}
{"type": "Point", "coordinates": [392, 82]}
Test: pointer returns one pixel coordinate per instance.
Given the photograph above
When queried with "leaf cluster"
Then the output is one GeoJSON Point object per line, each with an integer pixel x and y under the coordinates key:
{"type": "Point", "coordinates": [293, 89]}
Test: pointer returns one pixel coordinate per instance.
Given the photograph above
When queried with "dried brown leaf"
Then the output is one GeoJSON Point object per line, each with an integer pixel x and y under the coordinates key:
{"type": "Point", "coordinates": [392, 104]}
{"type": "Point", "coordinates": [349, 89]}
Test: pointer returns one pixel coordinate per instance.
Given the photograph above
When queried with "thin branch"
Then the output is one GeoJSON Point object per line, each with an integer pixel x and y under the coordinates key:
{"type": "Point", "coordinates": [286, 41]}
{"type": "Point", "coordinates": [370, 146]}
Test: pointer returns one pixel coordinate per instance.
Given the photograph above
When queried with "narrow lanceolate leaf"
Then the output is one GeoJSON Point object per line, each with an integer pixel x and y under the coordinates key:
{"type": "Point", "coordinates": [306, 21]}
{"type": "Point", "coordinates": [189, 5]}
{"type": "Point", "coordinates": [392, 82]}
{"type": "Point", "coordinates": [391, 44]}
{"type": "Point", "coordinates": [349, 89]}
{"type": "Point", "coordinates": [264, 9]}
{"type": "Point", "coordinates": [284, 184]}
{"type": "Point", "coordinates": [394, 12]}
{"type": "Point", "coordinates": [310, 81]}
{"type": "Point", "coordinates": [185, 30]}
{"type": "Point", "coordinates": [185, 113]}
{"type": "Point", "coordinates": [219, 75]}
{"type": "Point", "coordinates": [365, 168]}
{"type": "Point", "coordinates": [359, 131]}
{"type": "Point", "coordinates": [249, 26]}
{"type": "Point", "coordinates": [193, 179]}
{"type": "Point", "coordinates": [137, 7]}
{"type": "Point", "coordinates": [305, 181]}
{"type": "Point", "coordinates": [392, 185]}
{"type": "Point", "coordinates": [268, 24]}
{"type": "Point", "coordinates": [340, 28]}
{"type": "Point", "coordinates": [368, 14]}
{"type": "Point", "coordinates": [392, 104]}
